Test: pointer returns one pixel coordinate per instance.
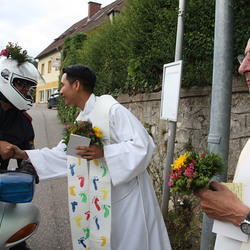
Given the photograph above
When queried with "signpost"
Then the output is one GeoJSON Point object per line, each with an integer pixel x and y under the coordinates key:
{"type": "Point", "coordinates": [170, 95]}
{"type": "Point", "coordinates": [172, 80]}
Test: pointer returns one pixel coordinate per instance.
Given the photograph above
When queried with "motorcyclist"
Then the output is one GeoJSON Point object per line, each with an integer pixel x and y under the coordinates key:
{"type": "Point", "coordinates": [17, 77]}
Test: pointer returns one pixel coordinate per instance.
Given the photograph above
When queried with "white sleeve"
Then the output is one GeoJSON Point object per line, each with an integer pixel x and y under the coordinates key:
{"type": "Point", "coordinates": [49, 163]}
{"type": "Point", "coordinates": [131, 146]}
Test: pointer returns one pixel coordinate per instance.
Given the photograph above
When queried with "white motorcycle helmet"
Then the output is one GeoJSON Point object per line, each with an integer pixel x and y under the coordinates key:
{"type": "Point", "coordinates": [11, 71]}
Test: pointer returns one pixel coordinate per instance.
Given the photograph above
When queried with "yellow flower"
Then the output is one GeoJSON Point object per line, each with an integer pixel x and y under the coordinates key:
{"type": "Point", "coordinates": [96, 129]}
{"type": "Point", "coordinates": [180, 162]}
{"type": "Point", "coordinates": [98, 132]}
{"type": "Point", "coordinates": [73, 131]}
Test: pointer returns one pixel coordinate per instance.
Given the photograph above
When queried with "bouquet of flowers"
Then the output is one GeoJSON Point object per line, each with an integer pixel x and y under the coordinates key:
{"type": "Point", "coordinates": [192, 171]}
{"type": "Point", "coordinates": [15, 52]}
{"type": "Point", "coordinates": [84, 128]}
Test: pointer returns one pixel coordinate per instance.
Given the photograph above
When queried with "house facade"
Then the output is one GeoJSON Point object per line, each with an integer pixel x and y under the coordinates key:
{"type": "Point", "coordinates": [49, 58]}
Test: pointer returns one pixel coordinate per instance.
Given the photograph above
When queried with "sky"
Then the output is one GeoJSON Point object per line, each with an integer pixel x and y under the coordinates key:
{"type": "Point", "coordinates": [34, 24]}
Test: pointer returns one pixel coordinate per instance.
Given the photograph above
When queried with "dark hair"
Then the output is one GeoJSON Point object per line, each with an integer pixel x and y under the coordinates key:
{"type": "Point", "coordinates": [83, 74]}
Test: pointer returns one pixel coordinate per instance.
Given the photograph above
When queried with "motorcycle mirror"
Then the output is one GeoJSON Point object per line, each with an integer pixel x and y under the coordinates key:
{"type": "Point", "coordinates": [16, 187]}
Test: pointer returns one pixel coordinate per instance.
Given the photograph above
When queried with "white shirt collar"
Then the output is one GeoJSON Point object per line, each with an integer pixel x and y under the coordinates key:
{"type": "Point", "coordinates": [89, 106]}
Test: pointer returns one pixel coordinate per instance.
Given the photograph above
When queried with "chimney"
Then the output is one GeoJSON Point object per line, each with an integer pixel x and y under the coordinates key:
{"type": "Point", "coordinates": [93, 8]}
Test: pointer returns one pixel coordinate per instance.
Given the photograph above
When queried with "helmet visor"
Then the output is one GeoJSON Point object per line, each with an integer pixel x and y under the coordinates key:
{"type": "Point", "coordinates": [22, 83]}
{"type": "Point", "coordinates": [23, 86]}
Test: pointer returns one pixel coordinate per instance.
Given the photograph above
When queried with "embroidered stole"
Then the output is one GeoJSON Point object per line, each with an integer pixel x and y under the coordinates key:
{"type": "Point", "coordinates": [89, 192]}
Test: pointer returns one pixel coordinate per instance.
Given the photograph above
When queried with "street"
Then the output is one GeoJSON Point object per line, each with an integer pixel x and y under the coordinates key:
{"type": "Point", "coordinates": [50, 196]}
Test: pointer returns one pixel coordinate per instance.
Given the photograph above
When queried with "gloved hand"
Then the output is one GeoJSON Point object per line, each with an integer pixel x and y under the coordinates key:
{"type": "Point", "coordinates": [27, 167]}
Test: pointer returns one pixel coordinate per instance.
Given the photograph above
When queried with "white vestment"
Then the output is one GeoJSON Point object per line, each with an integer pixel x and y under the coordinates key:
{"type": "Point", "coordinates": [137, 221]}
{"type": "Point", "coordinates": [242, 175]}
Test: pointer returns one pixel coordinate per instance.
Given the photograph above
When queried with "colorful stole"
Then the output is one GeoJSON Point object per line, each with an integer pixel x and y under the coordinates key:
{"type": "Point", "coordinates": [90, 190]}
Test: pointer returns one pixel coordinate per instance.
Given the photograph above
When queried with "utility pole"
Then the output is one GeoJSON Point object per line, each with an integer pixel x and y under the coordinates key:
{"type": "Point", "coordinates": [172, 125]}
{"type": "Point", "coordinates": [218, 138]}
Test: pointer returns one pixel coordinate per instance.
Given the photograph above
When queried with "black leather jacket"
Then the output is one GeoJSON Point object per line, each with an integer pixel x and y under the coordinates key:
{"type": "Point", "coordinates": [16, 128]}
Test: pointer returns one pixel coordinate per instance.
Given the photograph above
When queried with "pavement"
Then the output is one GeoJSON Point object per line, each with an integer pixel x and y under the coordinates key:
{"type": "Point", "coordinates": [50, 195]}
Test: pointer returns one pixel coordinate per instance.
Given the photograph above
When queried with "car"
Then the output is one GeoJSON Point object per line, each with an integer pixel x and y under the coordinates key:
{"type": "Point", "coordinates": [53, 100]}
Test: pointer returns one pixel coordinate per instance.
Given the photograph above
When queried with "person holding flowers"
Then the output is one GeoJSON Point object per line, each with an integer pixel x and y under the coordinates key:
{"type": "Point", "coordinates": [135, 221]}
{"type": "Point", "coordinates": [222, 204]}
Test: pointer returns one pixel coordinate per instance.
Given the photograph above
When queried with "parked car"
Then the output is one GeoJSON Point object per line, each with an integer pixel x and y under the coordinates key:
{"type": "Point", "coordinates": [53, 100]}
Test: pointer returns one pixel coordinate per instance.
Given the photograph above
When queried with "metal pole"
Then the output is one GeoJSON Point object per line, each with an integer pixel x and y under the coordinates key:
{"type": "Point", "coordinates": [172, 125]}
{"type": "Point", "coordinates": [218, 138]}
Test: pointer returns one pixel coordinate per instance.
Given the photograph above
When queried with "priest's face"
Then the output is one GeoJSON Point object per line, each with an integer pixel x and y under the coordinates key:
{"type": "Point", "coordinates": [244, 68]}
{"type": "Point", "coordinates": [68, 92]}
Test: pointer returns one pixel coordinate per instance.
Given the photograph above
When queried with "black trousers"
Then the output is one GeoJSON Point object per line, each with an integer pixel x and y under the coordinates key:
{"type": "Point", "coordinates": [21, 246]}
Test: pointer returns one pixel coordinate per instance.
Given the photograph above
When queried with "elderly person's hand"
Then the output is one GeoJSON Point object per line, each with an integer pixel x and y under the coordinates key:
{"type": "Point", "coordinates": [4, 151]}
{"type": "Point", "coordinates": [222, 204]}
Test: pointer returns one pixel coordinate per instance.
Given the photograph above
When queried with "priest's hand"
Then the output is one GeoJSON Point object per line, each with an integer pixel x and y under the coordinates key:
{"type": "Point", "coordinates": [222, 204]}
{"type": "Point", "coordinates": [16, 153]}
{"type": "Point", "coordinates": [5, 153]}
{"type": "Point", "coordinates": [91, 152]}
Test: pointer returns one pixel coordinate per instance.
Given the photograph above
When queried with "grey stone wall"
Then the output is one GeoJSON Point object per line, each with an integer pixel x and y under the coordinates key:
{"type": "Point", "coordinates": [193, 122]}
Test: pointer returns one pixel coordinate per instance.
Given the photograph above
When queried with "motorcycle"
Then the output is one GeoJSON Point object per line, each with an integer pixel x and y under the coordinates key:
{"type": "Point", "coordinates": [19, 219]}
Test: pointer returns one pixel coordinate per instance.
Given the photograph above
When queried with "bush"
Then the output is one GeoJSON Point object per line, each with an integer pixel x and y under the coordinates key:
{"type": "Point", "coordinates": [184, 222]}
{"type": "Point", "coordinates": [128, 55]}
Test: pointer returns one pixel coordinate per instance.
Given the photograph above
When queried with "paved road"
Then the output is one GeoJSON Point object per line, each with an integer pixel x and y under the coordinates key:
{"type": "Point", "coordinates": [50, 196]}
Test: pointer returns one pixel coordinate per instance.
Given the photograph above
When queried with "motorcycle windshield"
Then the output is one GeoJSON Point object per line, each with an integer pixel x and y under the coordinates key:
{"type": "Point", "coordinates": [16, 187]}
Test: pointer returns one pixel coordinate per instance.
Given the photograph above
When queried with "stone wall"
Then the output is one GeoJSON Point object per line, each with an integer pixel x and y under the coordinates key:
{"type": "Point", "coordinates": [193, 122]}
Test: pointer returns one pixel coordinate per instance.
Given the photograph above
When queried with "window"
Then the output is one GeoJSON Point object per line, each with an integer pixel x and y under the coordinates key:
{"type": "Point", "coordinates": [41, 96]}
{"type": "Point", "coordinates": [49, 66]}
{"type": "Point", "coordinates": [48, 93]}
{"type": "Point", "coordinates": [42, 69]}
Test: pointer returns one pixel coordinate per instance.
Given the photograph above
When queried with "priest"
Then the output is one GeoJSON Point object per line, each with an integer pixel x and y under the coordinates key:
{"type": "Point", "coordinates": [134, 220]}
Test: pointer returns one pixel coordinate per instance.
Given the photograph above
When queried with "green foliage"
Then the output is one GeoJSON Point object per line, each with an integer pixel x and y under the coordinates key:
{"type": "Point", "coordinates": [149, 27]}
{"type": "Point", "coordinates": [84, 128]}
{"type": "Point", "coordinates": [184, 222]}
{"type": "Point", "coordinates": [198, 43]}
{"type": "Point", "coordinates": [199, 39]}
{"type": "Point", "coordinates": [128, 54]}
{"type": "Point", "coordinates": [15, 52]}
{"type": "Point", "coordinates": [104, 53]}
{"type": "Point", "coordinates": [192, 171]}
{"type": "Point", "coordinates": [241, 29]}
{"type": "Point", "coordinates": [73, 45]}
{"type": "Point", "coordinates": [67, 114]}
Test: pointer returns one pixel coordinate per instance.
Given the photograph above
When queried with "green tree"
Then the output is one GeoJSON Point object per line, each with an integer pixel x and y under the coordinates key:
{"type": "Point", "coordinates": [128, 54]}
{"type": "Point", "coordinates": [70, 55]}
